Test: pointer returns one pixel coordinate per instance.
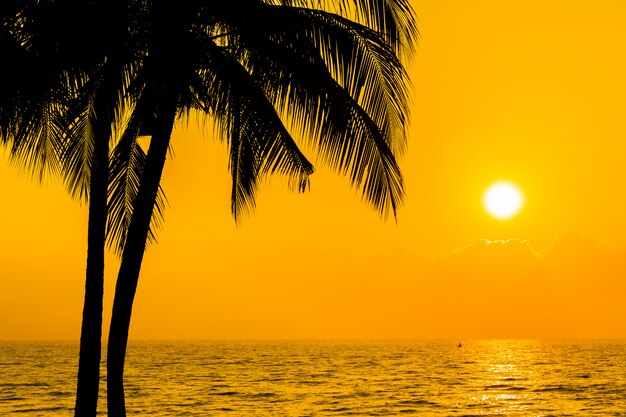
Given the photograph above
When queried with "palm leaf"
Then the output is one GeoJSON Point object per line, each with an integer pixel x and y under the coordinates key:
{"type": "Point", "coordinates": [126, 169]}
{"type": "Point", "coordinates": [395, 19]}
{"type": "Point", "coordinates": [259, 142]}
{"type": "Point", "coordinates": [362, 63]}
{"type": "Point", "coordinates": [298, 80]}
{"type": "Point", "coordinates": [37, 136]}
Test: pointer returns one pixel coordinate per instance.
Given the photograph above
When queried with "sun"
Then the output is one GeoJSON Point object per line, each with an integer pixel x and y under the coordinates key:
{"type": "Point", "coordinates": [503, 200]}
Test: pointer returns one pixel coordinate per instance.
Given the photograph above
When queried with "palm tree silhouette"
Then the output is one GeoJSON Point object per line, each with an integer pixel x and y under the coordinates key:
{"type": "Point", "coordinates": [59, 102]}
{"type": "Point", "coordinates": [330, 70]}
{"type": "Point", "coordinates": [35, 118]}
{"type": "Point", "coordinates": [253, 65]}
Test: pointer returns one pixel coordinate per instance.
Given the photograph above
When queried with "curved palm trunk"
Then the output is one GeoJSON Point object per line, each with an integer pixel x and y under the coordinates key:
{"type": "Point", "coordinates": [132, 257]}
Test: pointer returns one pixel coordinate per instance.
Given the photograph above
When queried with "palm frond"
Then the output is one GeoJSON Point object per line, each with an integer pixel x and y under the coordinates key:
{"type": "Point", "coordinates": [78, 152]}
{"type": "Point", "coordinates": [393, 18]}
{"type": "Point", "coordinates": [364, 65]}
{"type": "Point", "coordinates": [259, 142]}
{"type": "Point", "coordinates": [296, 78]}
{"type": "Point", "coordinates": [37, 138]}
{"type": "Point", "coordinates": [127, 162]}
{"type": "Point", "coordinates": [31, 107]}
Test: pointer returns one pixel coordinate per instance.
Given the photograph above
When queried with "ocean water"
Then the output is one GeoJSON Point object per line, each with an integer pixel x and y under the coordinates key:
{"type": "Point", "coordinates": [482, 378]}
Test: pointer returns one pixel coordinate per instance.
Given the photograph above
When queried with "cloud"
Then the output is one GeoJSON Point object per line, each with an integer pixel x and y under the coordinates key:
{"type": "Point", "coordinates": [570, 249]}
{"type": "Point", "coordinates": [511, 253]}
{"type": "Point", "coordinates": [488, 289]}
{"type": "Point", "coordinates": [576, 288]}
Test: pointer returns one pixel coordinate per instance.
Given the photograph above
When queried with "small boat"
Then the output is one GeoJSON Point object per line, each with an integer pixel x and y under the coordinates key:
{"type": "Point", "coordinates": [459, 345]}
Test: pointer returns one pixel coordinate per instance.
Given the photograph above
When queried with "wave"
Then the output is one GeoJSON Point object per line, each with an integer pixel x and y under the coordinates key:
{"type": "Point", "coordinates": [558, 388]}
{"type": "Point", "coordinates": [506, 387]}
{"type": "Point", "coordinates": [369, 379]}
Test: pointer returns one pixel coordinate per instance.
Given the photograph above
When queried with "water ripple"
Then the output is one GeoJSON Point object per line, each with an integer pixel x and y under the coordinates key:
{"type": "Point", "coordinates": [298, 379]}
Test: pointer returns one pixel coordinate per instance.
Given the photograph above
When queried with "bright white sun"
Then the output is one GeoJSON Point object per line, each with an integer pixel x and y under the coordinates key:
{"type": "Point", "coordinates": [503, 200]}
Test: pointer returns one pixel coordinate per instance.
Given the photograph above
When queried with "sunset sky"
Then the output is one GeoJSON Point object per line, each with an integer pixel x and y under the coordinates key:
{"type": "Point", "coordinates": [533, 92]}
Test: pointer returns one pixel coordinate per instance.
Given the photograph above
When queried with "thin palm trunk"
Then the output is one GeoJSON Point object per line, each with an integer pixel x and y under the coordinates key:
{"type": "Point", "coordinates": [91, 331]}
{"type": "Point", "coordinates": [102, 116]}
{"type": "Point", "coordinates": [132, 258]}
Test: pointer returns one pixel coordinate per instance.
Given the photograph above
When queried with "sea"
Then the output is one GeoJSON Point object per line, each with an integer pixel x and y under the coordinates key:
{"type": "Point", "coordinates": [340, 378]}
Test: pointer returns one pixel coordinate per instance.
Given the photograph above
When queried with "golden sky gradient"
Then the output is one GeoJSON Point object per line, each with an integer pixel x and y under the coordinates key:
{"type": "Point", "coordinates": [532, 92]}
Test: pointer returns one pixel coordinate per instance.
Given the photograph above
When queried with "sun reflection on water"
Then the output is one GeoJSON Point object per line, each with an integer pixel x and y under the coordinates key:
{"type": "Point", "coordinates": [295, 379]}
{"type": "Point", "coordinates": [511, 374]}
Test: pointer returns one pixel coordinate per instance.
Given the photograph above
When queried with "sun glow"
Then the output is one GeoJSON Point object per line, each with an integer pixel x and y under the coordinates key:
{"type": "Point", "coordinates": [503, 200]}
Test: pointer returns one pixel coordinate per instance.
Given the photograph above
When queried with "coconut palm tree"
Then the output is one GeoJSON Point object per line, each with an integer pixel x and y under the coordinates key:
{"type": "Point", "coordinates": [330, 70]}
{"type": "Point", "coordinates": [87, 159]}
{"type": "Point", "coordinates": [59, 102]}
{"type": "Point", "coordinates": [42, 94]}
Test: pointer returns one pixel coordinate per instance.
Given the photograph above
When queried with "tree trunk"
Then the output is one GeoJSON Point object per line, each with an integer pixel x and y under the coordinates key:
{"type": "Point", "coordinates": [102, 118]}
{"type": "Point", "coordinates": [132, 257]}
{"type": "Point", "coordinates": [88, 382]}
{"type": "Point", "coordinates": [91, 331]}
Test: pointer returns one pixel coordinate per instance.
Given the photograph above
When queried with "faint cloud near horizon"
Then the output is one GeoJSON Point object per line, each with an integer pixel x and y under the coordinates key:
{"type": "Point", "coordinates": [569, 245]}
{"type": "Point", "coordinates": [575, 288]}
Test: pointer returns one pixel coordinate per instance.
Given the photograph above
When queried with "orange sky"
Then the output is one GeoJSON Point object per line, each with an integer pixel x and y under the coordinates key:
{"type": "Point", "coordinates": [533, 92]}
